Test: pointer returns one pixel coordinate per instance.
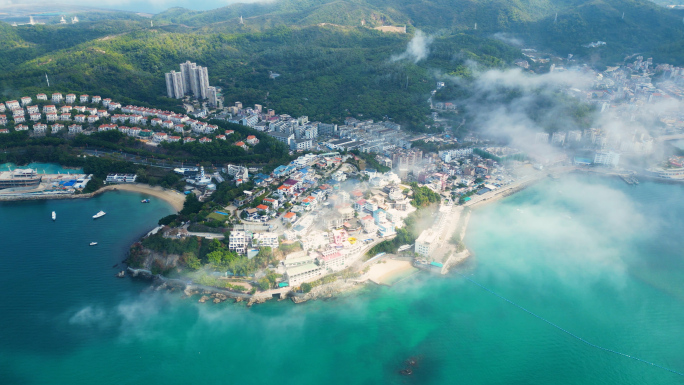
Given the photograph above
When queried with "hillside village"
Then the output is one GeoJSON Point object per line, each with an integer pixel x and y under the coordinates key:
{"type": "Point", "coordinates": [352, 188]}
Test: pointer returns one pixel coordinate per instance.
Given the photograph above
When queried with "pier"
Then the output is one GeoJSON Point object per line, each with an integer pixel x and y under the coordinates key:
{"type": "Point", "coordinates": [630, 179]}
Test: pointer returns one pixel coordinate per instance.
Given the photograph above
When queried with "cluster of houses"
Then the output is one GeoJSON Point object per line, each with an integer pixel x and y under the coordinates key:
{"type": "Point", "coordinates": [299, 134]}
{"type": "Point", "coordinates": [334, 219]}
{"type": "Point", "coordinates": [170, 126]}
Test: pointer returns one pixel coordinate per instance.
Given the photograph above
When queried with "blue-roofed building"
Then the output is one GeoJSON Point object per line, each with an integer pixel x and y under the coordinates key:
{"type": "Point", "coordinates": [282, 171]}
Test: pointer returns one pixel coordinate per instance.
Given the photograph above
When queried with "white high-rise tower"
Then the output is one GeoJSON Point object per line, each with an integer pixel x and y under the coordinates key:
{"type": "Point", "coordinates": [174, 85]}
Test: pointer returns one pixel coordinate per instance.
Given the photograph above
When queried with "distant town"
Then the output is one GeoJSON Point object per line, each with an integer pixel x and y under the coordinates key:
{"type": "Point", "coordinates": [351, 187]}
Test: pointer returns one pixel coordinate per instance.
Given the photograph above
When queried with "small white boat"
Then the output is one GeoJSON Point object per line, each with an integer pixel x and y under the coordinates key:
{"type": "Point", "coordinates": [54, 215]}
{"type": "Point", "coordinates": [93, 243]}
{"type": "Point", "coordinates": [98, 215]}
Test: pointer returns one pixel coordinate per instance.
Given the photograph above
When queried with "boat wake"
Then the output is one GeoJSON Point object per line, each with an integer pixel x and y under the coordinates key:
{"type": "Point", "coordinates": [569, 333]}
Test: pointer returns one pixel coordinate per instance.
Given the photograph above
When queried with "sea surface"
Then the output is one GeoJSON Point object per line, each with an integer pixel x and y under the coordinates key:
{"type": "Point", "coordinates": [678, 143]}
{"type": "Point", "coordinates": [42, 168]}
{"type": "Point", "coordinates": [593, 256]}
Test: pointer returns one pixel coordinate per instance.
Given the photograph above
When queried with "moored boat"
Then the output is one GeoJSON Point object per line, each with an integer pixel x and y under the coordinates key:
{"type": "Point", "coordinates": [54, 215]}
{"type": "Point", "coordinates": [145, 201]}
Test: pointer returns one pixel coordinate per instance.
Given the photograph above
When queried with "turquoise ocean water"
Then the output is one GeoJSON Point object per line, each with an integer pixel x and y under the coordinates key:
{"type": "Point", "coordinates": [595, 256]}
{"type": "Point", "coordinates": [42, 168]}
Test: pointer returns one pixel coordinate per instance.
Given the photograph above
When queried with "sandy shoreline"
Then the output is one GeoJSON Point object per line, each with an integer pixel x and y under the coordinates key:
{"type": "Point", "coordinates": [173, 197]}
{"type": "Point", "coordinates": [385, 272]}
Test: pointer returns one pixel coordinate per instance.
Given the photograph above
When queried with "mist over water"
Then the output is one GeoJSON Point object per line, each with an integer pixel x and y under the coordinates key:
{"type": "Point", "coordinates": [595, 256]}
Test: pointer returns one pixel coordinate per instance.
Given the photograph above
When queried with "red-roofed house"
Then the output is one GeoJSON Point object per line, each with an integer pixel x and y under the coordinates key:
{"type": "Point", "coordinates": [263, 207]}
{"type": "Point", "coordinates": [356, 194]}
{"type": "Point", "coordinates": [159, 137]}
{"type": "Point", "coordinates": [272, 202]}
{"type": "Point", "coordinates": [290, 217]}
{"type": "Point", "coordinates": [286, 189]}
{"type": "Point", "coordinates": [241, 144]}
{"type": "Point", "coordinates": [252, 140]}
{"type": "Point", "coordinates": [39, 128]}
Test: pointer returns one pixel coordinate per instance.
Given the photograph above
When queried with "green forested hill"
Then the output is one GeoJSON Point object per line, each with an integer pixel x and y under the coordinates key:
{"type": "Point", "coordinates": [331, 65]}
{"type": "Point", "coordinates": [645, 27]}
{"type": "Point", "coordinates": [327, 72]}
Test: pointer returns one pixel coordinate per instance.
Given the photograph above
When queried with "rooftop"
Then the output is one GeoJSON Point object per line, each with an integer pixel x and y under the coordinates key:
{"type": "Point", "coordinates": [301, 269]}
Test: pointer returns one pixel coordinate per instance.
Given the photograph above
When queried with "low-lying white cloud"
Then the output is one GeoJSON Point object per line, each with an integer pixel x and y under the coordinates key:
{"type": "Point", "coordinates": [508, 39]}
{"type": "Point", "coordinates": [417, 49]}
{"type": "Point", "coordinates": [573, 230]}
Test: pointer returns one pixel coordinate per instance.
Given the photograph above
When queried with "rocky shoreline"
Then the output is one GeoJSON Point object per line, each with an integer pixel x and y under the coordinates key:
{"type": "Point", "coordinates": [218, 295]}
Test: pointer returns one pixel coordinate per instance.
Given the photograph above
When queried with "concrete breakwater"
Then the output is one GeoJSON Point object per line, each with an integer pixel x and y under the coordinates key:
{"type": "Point", "coordinates": [174, 198]}
{"type": "Point", "coordinates": [36, 197]}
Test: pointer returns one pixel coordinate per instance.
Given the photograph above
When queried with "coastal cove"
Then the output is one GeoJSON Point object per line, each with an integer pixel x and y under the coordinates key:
{"type": "Point", "coordinates": [69, 315]}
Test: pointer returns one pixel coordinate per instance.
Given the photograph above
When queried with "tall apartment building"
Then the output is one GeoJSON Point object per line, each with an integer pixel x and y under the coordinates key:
{"type": "Point", "coordinates": [203, 80]}
{"type": "Point", "coordinates": [541, 137]}
{"type": "Point", "coordinates": [213, 97]}
{"type": "Point", "coordinates": [189, 80]}
{"type": "Point", "coordinates": [174, 85]}
{"type": "Point", "coordinates": [194, 80]}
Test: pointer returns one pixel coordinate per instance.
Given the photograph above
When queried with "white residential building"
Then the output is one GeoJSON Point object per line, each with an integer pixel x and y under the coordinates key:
{"type": "Point", "coordinates": [541, 137]}
{"type": "Point", "coordinates": [39, 128]}
{"type": "Point", "coordinates": [237, 242]}
{"type": "Point", "coordinates": [265, 240]}
{"type": "Point", "coordinates": [608, 158]}
{"type": "Point", "coordinates": [300, 274]}
{"type": "Point", "coordinates": [426, 242]}
{"type": "Point", "coordinates": [174, 85]}
{"type": "Point", "coordinates": [121, 178]}
{"type": "Point", "coordinates": [333, 260]}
